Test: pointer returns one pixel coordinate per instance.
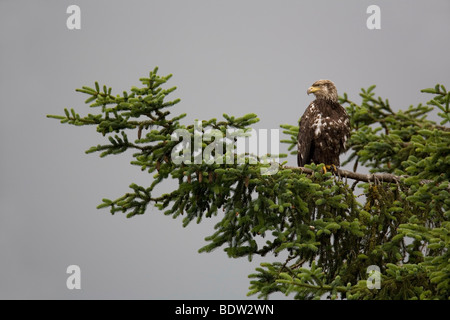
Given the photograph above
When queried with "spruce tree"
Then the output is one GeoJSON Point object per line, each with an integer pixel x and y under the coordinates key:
{"type": "Point", "coordinates": [336, 235]}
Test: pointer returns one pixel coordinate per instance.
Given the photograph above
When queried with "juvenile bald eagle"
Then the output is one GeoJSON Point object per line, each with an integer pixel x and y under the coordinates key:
{"type": "Point", "coordinates": [324, 127]}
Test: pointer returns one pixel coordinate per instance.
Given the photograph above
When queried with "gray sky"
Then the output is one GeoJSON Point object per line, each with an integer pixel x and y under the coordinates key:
{"type": "Point", "coordinates": [235, 57]}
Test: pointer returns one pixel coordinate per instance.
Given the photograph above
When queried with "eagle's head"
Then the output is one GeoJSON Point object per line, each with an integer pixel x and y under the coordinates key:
{"type": "Point", "coordinates": [324, 89]}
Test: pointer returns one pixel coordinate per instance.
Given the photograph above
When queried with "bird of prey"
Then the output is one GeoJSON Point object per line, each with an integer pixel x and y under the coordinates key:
{"type": "Point", "coordinates": [324, 127]}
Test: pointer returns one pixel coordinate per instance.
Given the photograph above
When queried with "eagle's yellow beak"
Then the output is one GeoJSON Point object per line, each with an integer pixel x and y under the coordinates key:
{"type": "Point", "coordinates": [312, 90]}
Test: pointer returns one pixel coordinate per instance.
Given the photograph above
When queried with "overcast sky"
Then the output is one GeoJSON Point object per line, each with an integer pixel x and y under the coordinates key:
{"type": "Point", "coordinates": [235, 57]}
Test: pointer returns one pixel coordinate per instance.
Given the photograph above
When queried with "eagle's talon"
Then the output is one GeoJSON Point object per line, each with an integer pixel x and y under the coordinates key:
{"type": "Point", "coordinates": [330, 167]}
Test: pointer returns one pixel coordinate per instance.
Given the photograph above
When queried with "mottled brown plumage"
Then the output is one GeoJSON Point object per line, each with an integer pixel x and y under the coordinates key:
{"type": "Point", "coordinates": [324, 127]}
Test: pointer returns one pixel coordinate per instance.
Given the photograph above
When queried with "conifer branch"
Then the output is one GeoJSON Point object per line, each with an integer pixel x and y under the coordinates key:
{"type": "Point", "coordinates": [374, 177]}
{"type": "Point", "coordinates": [320, 288]}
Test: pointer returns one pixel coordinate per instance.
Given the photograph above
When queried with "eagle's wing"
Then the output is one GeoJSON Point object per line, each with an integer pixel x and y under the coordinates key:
{"type": "Point", "coordinates": [305, 136]}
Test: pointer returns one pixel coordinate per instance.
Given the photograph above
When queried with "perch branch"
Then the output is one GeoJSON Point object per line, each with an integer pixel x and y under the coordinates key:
{"type": "Point", "coordinates": [386, 177]}
{"type": "Point", "coordinates": [371, 177]}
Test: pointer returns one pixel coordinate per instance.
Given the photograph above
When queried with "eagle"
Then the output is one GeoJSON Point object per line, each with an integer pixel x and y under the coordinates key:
{"type": "Point", "coordinates": [324, 128]}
